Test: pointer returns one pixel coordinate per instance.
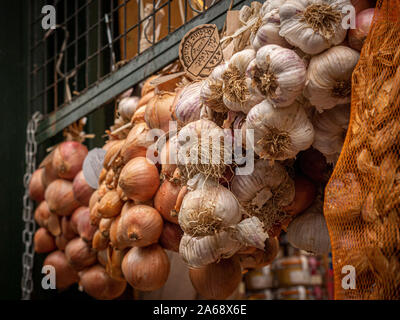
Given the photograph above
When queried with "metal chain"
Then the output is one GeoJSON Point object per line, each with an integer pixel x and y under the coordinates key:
{"type": "Point", "coordinates": [28, 206]}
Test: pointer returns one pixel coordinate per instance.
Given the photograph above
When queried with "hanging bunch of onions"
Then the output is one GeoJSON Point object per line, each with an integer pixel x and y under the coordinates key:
{"type": "Point", "coordinates": [167, 200]}
{"type": "Point", "coordinates": [65, 274]}
{"type": "Point", "coordinates": [68, 159]}
{"type": "Point", "coordinates": [136, 142]}
{"type": "Point", "coordinates": [60, 198]}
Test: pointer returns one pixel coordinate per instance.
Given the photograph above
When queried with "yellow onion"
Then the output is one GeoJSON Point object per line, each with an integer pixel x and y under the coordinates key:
{"type": "Point", "coordinates": [68, 159]}
{"type": "Point", "coordinates": [99, 241]}
{"type": "Point", "coordinates": [105, 225]}
{"type": "Point", "coordinates": [158, 111]}
{"type": "Point", "coordinates": [98, 284]}
{"type": "Point", "coordinates": [49, 173]}
{"type": "Point", "coordinates": [304, 196]}
{"type": "Point", "coordinates": [165, 200]}
{"type": "Point", "coordinates": [171, 236]}
{"type": "Point", "coordinates": [94, 199]}
{"type": "Point", "coordinates": [110, 205]}
{"type": "Point", "coordinates": [82, 191]}
{"type": "Point", "coordinates": [146, 268]}
{"type": "Point", "coordinates": [138, 116]}
{"type": "Point", "coordinates": [113, 231]}
{"type": "Point", "coordinates": [136, 143]}
{"type": "Point", "coordinates": [46, 219]}
{"type": "Point", "coordinates": [112, 153]}
{"type": "Point", "coordinates": [67, 229]}
{"type": "Point", "coordinates": [168, 164]}
{"type": "Point", "coordinates": [61, 242]}
{"type": "Point", "coordinates": [36, 187]}
{"type": "Point", "coordinates": [102, 257]}
{"type": "Point", "coordinates": [60, 197]}
{"type": "Point", "coordinates": [44, 241]}
{"type": "Point", "coordinates": [217, 280]}
{"type": "Point", "coordinates": [95, 216]}
{"type": "Point", "coordinates": [109, 144]}
{"type": "Point", "coordinates": [139, 226]}
{"type": "Point", "coordinates": [139, 179]}
{"type": "Point", "coordinates": [65, 274]}
{"type": "Point", "coordinates": [79, 254]}
{"type": "Point", "coordinates": [114, 261]}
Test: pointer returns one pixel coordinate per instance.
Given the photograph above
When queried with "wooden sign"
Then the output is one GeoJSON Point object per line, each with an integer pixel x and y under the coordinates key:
{"type": "Point", "coordinates": [200, 51]}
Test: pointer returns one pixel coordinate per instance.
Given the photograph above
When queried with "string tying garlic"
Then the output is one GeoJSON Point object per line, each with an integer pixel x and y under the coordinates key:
{"type": "Point", "coordinates": [278, 74]}
{"type": "Point", "coordinates": [279, 133]}
{"type": "Point", "coordinates": [313, 25]}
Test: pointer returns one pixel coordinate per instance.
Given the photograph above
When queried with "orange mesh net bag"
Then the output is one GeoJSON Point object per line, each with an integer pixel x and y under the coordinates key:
{"type": "Point", "coordinates": [362, 198]}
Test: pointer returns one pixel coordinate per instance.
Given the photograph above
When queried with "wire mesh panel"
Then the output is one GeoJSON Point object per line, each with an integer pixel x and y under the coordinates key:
{"type": "Point", "coordinates": [92, 39]}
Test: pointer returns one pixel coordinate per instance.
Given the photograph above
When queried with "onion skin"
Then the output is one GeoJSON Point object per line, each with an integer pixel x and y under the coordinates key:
{"type": "Point", "coordinates": [44, 241]}
{"type": "Point", "coordinates": [171, 236]}
{"type": "Point", "coordinates": [144, 100]}
{"type": "Point", "coordinates": [49, 173]}
{"type": "Point", "coordinates": [105, 225]}
{"type": "Point", "coordinates": [60, 197]}
{"type": "Point", "coordinates": [113, 231]}
{"type": "Point", "coordinates": [140, 226]}
{"type": "Point", "coordinates": [79, 254]}
{"type": "Point", "coordinates": [138, 116]}
{"type": "Point", "coordinates": [68, 159]}
{"type": "Point", "coordinates": [217, 281]}
{"type": "Point", "coordinates": [36, 187]}
{"type": "Point", "coordinates": [75, 218]}
{"type": "Point", "coordinates": [67, 229]}
{"type": "Point", "coordinates": [114, 261]}
{"type": "Point", "coordinates": [147, 87]}
{"type": "Point", "coordinates": [102, 257]}
{"type": "Point", "coordinates": [361, 5]}
{"type": "Point", "coordinates": [112, 153]}
{"type": "Point", "coordinates": [99, 242]}
{"type": "Point", "coordinates": [136, 143]}
{"type": "Point", "coordinates": [95, 217]}
{"type": "Point", "coordinates": [99, 285]}
{"type": "Point", "coordinates": [165, 201]}
{"type": "Point", "coordinates": [146, 268]}
{"type": "Point", "coordinates": [358, 35]}
{"type": "Point", "coordinates": [48, 220]}
{"type": "Point", "coordinates": [305, 193]}
{"type": "Point", "coordinates": [65, 275]}
{"type": "Point", "coordinates": [158, 111]}
{"type": "Point", "coordinates": [110, 205]}
{"type": "Point", "coordinates": [167, 168]}
{"type": "Point", "coordinates": [82, 191]}
{"type": "Point", "coordinates": [94, 199]}
{"type": "Point", "coordinates": [260, 258]}
{"type": "Point", "coordinates": [61, 242]}
{"type": "Point", "coordinates": [139, 179]}
{"type": "Point", "coordinates": [84, 226]}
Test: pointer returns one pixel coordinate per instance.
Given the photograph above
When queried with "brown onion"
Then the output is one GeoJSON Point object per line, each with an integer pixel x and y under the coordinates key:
{"type": "Point", "coordinates": [146, 268]}
{"type": "Point", "coordinates": [114, 262]}
{"type": "Point", "coordinates": [113, 231]}
{"type": "Point", "coordinates": [44, 241]}
{"type": "Point", "coordinates": [82, 191]}
{"type": "Point", "coordinates": [84, 226]}
{"type": "Point", "coordinates": [68, 159]}
{"type": "Point", "coordinates": [98, 284]}
{"type": "Point", "coordinates": [145, 99]}
{"type": "Point", "coordinates": [158, 111]}
{"type": "Point", "coordinates": [67, 229]}
{"type": "Point", "coordinates": [140, 226]}
{"type": "Point", "coordinates": [136, 142]}
{"type": "Point", "coordinates": [139, 179]}
{"type": "Point", "coordinates": [48, 220]}
{"type": "Point", "coordinates": [105, 225]}
{"type": "Point", "coordinates": [168, 166]}
{"type": "Point", "coordinates": [112, 153]}
{"type": "Point", "coordinates": [60, 197]}
{"type": "Point", "coordinates": [99, 242]}
{"type": "Point", "coordinates": [49, 173]}
{"type": "Point", "coordinates": [305, 193]}
{"type": "Point", "coordinates": [75, 218]}
{"type": "Point", "coordinates": [165, 200]}
{"type": "Point", "coordinates": [94, 199]}
{"type": "Point", "coordinates": [36, 187]}
{"type": "Point", "coordinates": [109, 144]}
{"type": "Point", "coordinates": [171, 236]}
{"type": "Point", "coordinates": [260, 258]}
{"type": "Point", "coordinates": [95, 216]}
{"type": "Point", "coordinates": [61, 242]}
{"type": "Point", "coordinates": [102, 257]}
{"type": "Point", "coordinates": [358, 35]}
{"type": "Point", "coordinates": [65, 275]}
{"type": "Point", "coordinates": [110, 205]}
{"type": "Point", "coordinates": [147, 86]}
{"type": "Point", "coordinates": [79, 254]}
{"type": "Point", "coordinates": [217, 281]}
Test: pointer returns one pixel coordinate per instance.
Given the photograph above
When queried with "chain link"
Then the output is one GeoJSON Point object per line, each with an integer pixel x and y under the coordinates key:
{"type": "Point", "coordinates": [28, 206]}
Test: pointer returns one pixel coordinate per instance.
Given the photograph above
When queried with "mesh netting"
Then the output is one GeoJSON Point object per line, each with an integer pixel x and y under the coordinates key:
{"type": "Point", "coordinates": [362, 198]}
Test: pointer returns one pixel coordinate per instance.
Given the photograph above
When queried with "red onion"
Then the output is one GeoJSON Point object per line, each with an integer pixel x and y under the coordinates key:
{"type": "Point", "coordinates": [358, 35]}
{"type": "Point", "coordinates": [361, 5]}
{"type": "Point", "coordinates": [49, 173]}
{"type": "Point", "coordinates": [68, 159]}
{"type": "Point", "coordinates": [36, 187]}
{"type": "Point", "coordinates": [65, 275]}
{"type": "Point", "coordinates": [82, 191]}
{"type": "Point", "coordinates": [171, 236]}
{"type": "Point", "coordinates": [79, 254]}
{"type": "Point", "coordinates": [84, 227]}
{"type": "Point", "coordinates": [60, 197]}
{"type": "Point", "coordinates": [67, 229]}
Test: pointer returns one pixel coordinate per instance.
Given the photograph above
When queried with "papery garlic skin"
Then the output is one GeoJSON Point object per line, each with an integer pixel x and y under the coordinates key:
{"type": "Point", "coordinates": [200, 251]}
{"type": "Point", "coordinates": [127, 107]}
{"type": "Point", "coordinates": [313, 25]}
{"type": "Point", "coordinates": [329, 77]}
{"type": "Point", "coordinates": [236, 94]}
{"type": "Point", "coordinates": [189, 103]}
{"type": "Point", "coordinates": [207, 209]}
{"type": "Point", "coordinates": [330, 131]}
{"type": "Point", "coordinates": [250, 232]}
{"type": "Point", "coordinates": [278, 74]}
{"type": "Point", "coordinates": [268, 33]}
{"type": "Point", "coordinates": [211, 92]}
{"type": "Point", "coordinates": [264, 192]}
{"type": "Point", "coordinates": [279, 133]}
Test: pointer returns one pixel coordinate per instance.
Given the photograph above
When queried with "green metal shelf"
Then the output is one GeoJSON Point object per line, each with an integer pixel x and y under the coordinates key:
{"type": "Point", "coordinates": [147, 63]}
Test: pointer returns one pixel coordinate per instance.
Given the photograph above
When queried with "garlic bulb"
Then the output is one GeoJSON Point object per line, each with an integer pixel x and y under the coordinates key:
{"type": "Point", "coordinates": [202, 149]}
{"type": "Point", "coordinates": [211, 91]}
{"type": "Point", "coordinates": [250, 232]}
{"type": "Point", "coordinates": [200, 251]}
{"type": "Point", "coordinates": [208, 209]}
{"type": "Point", "coordinates": [279, 133]}
{"type": "Point", "coordinates": [127, 107]}
{"type": "Point", "coordinates": [268, 33]}
{"type": "Point", "coordinates": [309, 231]}
{"type": "Point", "coordinates": [313, 25]}
{"type": "Point", "coordinates": [329, 77]}
{"type": "Point", "coordinates": [330, 131]}
{"type": "Point", "coordinates": [278, 74]}
{"type": "Point", "coordinates": [188, 107]}
{"type": "Point", "coordinates": [236, 94]}
{"type": "Point", "coordinates": [265, 192]}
